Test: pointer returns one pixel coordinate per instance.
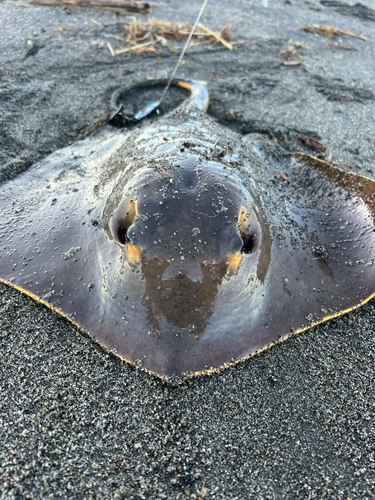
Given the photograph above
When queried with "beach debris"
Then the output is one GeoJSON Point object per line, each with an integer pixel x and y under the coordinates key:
{"type": "Point", "coordinates": [94, 21]}
{"type": "Point", "coordinates": [110, 48]}
{"type": "Point", "coordinates": [290, 52]}
{"type": "Point", "coordinates": [312, 143]}
{"type": "Point", "coordinates": [134, 48]}
{"type": "Point", "coordinates": [119, 6]}
{"type": "Point", "coordinates": [216, 36]}
{"type": "Point", "coordinates": [162, 32]}
{"type": "Point", "coordinates": [291, 63]}
{"type": "Point", "coordinates": [330, 32]}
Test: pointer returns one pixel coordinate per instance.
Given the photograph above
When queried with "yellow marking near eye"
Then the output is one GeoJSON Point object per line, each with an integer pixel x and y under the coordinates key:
{"type": "Point", "coordinates": [130, 213]}
{"type": "Point", "coordinates": [134, 253]}
{"type": "Point", "coordinates": [242, 221]}
{"type": "Point", "coordinates": [234, 260]}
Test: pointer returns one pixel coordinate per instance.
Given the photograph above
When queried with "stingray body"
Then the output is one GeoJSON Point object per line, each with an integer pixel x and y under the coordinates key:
{"type": "Point", "coordinates": [179, 247]}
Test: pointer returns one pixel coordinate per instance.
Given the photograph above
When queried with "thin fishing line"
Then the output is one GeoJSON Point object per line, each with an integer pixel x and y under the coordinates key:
{"type": "Point", "coordinates": [183, 52]}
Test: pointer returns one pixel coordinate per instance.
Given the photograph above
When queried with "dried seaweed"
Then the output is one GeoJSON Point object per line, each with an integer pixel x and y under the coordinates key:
{"type": "Point", "coordinates": [312, 143]}
{"type": "Point", "coordinates": [157, 31]}
{"type": "Point", "coordinates": [120, 6]}
{"type": "Point", "coordinates": [330, 32]}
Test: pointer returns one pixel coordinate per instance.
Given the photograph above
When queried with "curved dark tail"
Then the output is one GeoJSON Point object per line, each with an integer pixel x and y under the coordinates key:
{"type": "Point", "coordinates": [199, 98]}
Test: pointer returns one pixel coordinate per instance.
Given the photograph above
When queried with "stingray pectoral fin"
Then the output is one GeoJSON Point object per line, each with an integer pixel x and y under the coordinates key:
{"type": "Point", "coordinates": [56, 252]}
{"type": "Point", "coordinates": [353, 184]}
{"type": "Point", "coordinates": [53, 247]}
{"type": "Point", "coordinates": [323, 253]}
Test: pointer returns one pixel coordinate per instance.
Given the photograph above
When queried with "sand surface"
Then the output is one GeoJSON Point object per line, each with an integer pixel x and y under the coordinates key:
{"type": "Point", "coordinates": [296, 421]}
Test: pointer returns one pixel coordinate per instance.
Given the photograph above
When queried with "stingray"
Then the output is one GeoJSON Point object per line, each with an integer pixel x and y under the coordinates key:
{"type": "Point", "coordinates": [183, 247]}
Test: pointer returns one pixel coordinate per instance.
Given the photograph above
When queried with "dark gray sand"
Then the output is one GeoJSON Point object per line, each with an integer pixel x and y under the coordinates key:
{"type": "Point", "coordinates": [296, 421]}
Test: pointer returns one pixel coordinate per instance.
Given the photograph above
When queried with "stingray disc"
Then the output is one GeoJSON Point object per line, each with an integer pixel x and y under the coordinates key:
{"type": "Point", "coordinates": [178, 246]}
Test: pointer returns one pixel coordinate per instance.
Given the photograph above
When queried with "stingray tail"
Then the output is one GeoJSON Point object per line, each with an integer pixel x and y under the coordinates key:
{"type": "Point", "coordinates": [199, 99]}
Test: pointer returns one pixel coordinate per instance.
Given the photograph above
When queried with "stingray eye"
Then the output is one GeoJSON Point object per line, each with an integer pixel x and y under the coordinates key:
{"type": "Point", "coordinates": [246, 233]}
{"type": "Point", "coordinates": [122, 219]}
{"type": "Point", "coordinates": [248, 243]}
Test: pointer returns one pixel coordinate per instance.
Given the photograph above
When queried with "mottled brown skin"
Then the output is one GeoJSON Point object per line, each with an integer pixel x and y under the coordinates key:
{"type": "Point", "coordinates": [183, 256]}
